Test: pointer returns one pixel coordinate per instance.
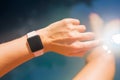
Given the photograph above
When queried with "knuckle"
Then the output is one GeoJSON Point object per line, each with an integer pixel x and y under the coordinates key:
{"type": "Point", "coordinates": [75, 35]}
{"type": "Point", "coordinates": [78, 46]}
{"type": "Point", "coordinates": [70, 34]}
{"type": "Point", "coordinates": [83, 27]}
{"type": "Point", "coordinates": [65, 21]}
{"type": "Point", "coordinates": [68, 27]}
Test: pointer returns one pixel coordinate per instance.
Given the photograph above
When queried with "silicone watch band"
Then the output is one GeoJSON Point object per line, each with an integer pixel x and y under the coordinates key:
{"type": "Point", "coordinates": [35, 43]}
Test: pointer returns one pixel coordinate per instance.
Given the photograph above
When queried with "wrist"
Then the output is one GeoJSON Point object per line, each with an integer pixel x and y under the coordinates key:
{"type": "Point", "coordinates": [35, 44]}
{"type": "Point", "coordinates": [45, 40]}
{"type": "Point", "coordinates": [99, 54]}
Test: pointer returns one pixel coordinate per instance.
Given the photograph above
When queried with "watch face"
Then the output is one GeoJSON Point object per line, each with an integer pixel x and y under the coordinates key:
{"type": "Point", "coordinates": [34, 41]}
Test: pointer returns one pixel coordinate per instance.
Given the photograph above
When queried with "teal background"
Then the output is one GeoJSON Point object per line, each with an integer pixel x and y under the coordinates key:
{"type": "Point", "coordinates": [17, 17]}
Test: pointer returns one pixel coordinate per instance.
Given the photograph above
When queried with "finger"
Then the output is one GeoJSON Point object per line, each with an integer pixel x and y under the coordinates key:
{"type": "Point", "coordinates": [75, 35]}
{"type": "Point", "coordinates": [86, 36]}
{"type": "Point", "coordinates": [96, 23]}
{"type": "Point", "coordinates": [80, 28]}
{"type": "Point", "coordinates": [85, 45]}
{"type": "Point", "coordinates": [90, 44]}
{"type": "Point", "coordinates": [111, 28]}
{"type": "Point", "coordinates": [71, 21]}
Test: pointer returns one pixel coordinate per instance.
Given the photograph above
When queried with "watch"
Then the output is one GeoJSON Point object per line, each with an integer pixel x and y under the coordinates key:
{"type": "Point", "coordinates": [35, 43]}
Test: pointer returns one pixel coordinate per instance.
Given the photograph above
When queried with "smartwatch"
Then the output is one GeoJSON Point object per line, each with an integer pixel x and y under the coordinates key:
{"type": "Point", "coordinates": [35, 43]}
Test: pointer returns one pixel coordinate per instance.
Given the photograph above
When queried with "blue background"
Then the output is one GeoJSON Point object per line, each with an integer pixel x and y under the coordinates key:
{"type": "Point", "coordinates": [17, 17]}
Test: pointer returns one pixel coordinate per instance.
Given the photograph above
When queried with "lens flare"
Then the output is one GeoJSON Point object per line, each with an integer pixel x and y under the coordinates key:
{"type": "Point", "coordinates": [111, 39]}
{"type": "Point", "coordinates": [105, 47]}
{"type": "Point", "coordinates": [116, 38]}
{"type": "Point", "coordinates": [111, 42]}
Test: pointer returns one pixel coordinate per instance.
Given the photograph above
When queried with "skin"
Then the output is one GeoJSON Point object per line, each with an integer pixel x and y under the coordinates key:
{"type": "Point", "coordinates": [100, 65]}
{"type": "Point", "coordinates": [66, 37]}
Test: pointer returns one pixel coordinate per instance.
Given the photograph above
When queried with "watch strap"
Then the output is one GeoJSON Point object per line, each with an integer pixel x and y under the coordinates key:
{"type": "Point", "coordinates": [35, 43]}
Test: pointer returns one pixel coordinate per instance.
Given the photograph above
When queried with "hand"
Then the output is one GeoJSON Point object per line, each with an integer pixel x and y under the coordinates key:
{"type": "Point", "coordinates": [99, 60]}
{"type": "Point", "coordinates": [67, 37]}
{"type": "Point", "coordinates": [102, 30]}
{"type": "Point", "coordinates": [96, 23]}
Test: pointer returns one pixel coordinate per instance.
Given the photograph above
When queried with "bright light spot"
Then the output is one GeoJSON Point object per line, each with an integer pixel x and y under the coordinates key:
{"type": "Point", "coordinates": [116, 38]}
{"type": "Point", "coordinates": [105, 47]}
{"type": "Point", "coordinates": [109, 51]}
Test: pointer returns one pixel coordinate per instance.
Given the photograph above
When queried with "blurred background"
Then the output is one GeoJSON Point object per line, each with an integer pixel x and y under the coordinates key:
{"type": "Point", "coordinates": [18, 17]}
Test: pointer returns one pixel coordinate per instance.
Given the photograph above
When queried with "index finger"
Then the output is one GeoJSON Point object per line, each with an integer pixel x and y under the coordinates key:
{"type": "Point", "coordinates": [90, 44]}
{"type": "Point", "coordinates": [87, 45]}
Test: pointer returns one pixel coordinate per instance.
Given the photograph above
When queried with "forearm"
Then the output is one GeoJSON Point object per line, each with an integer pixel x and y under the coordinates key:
{"type": "Point", "coordinates": [65, 37]}
{"type": "Point", "coordinates": [100, 66]}
{"type": "Point", "coordinates": [14, 53]}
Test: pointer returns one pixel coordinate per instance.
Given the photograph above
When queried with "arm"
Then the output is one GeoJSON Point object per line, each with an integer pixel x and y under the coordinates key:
{"type": "Point", "coordinates": [60, 37]}
{"type": "Point", "coordinates": [13, 53]}
{"type": "Point", "coordinates": [100, 66]}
